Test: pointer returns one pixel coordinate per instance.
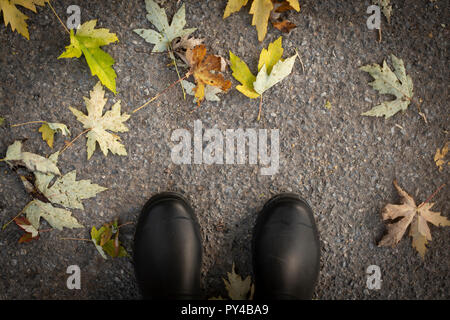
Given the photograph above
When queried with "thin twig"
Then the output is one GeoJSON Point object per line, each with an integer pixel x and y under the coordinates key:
{"type": "Point", "coordinates": [172, 55]}
{"type": "Point", "coordinates": [71, 142]}
{"type": "Point", "coordinates": [379, 35]}
{"type": "Point", "coordinates": [25, 123]}
{"type": "Point", "coordinates": [301, 62]}
{"type": "Point", "coordinates": [125, 224]}
{"type": "Point", "coordinates": [79, 239]}
{"type": "Point", "coordinates": [159, 94]}
{"type": "Point", "coordinates": [434, 193]}
{"type": "Point", "coordinates": [65, 28]}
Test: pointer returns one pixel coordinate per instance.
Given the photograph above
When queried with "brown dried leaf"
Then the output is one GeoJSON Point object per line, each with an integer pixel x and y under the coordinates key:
{"type": "Point", "coordinates": [410, 214]}
{"type": "Point", "coordinates": [206, 71]}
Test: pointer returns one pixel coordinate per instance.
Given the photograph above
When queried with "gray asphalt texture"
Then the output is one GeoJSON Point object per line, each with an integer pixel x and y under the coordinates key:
{"type": "Point", "coordinates": [341, 162]}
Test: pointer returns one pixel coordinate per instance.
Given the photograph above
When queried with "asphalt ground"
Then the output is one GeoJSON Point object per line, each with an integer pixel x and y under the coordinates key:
{"type": "Point", "coordinates": [341, 162]}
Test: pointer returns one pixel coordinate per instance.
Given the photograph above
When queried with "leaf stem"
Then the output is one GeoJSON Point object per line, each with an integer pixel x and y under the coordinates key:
{"type": "Point", "coordinates": [172, 56]}
{"type": "Point", "coordinates": [432, 196]}
{"type": "Point", "coordinates": [260, 108]}
{"type": "Point", "coordinates": [162, 92]}
{"type": "Point", "coordinates": [25, 123]}
{"type": "Point", "coordinates": [65, 28]}
{"type": "Point", "coordinates": [124, 224]}
{"type": "Point", "coordinates": [24, 208]}
{"type": "Point", "coordinates": [74, 139]}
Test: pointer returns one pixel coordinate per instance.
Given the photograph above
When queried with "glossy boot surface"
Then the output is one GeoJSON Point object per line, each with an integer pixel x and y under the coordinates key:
{"type": "Point", "coordinates": [286, 249]}
{"type": "Point", "coordinates": [167, 249]}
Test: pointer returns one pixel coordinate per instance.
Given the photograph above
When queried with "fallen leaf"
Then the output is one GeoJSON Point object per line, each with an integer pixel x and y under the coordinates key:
{"type": "Point", "coordinates": [48, 130]}
{"type": "Point", "coordinates": [58, 218]}
{"type": "Point", "coordinates": [167, 33]}
{"type": "Point", "coordinates": [98, 124]}
{"type": "Point", "coordinates": [31, 233]}
{"type": "Point", "coordinates": [69, 192]}
{"type": "Point", "coordinates": [271, 70]}
{"type": "Point", "coordinates": [238, 288]}
{"type": "Point", "coordinates": [386, 8]}
{"type": "Point", "coordinates": [284, 26]}
{"type": "Point", "coordinates": [65, 191]}
{"type": "Point", "coordinates": [2, 121]}
{"type": "Point", "coordinates": [106, 240]}
{"type": "Point", "coordinates": [262, 11]}
{"type": "Point", "coordinates": [410, 214]}
{"type": "Point", "coordinates": [88, 41]}
{"type": "Point", "coordinates": [206, 71]}
{"type": "Point", "coordinates": [396, 83]}
{"type": "Point", "coordinates": [440, 156]}
{"type": "Point", "coordinates": [12, 15]}
{"type": "Point", "coordinates": [181, 45]}
{"type": "Point", "coordinates": [30, 160]}
{"type": "Point", "coordinates": [210, 91]}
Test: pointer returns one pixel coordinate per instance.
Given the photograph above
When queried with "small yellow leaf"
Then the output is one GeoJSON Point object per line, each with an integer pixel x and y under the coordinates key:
{"type": "Point", "coordinates": [233, 6]}
{"type": "Point", "coordinates": [294, 4]}
{"type": "Point", "coordinates": [47, 134]}
{"type": "Point", "coordinates": [12, 15]}
{"type": "Point", "coordinates": [440, 156]}
{"type": "Point", "coordinates": [260, 10]}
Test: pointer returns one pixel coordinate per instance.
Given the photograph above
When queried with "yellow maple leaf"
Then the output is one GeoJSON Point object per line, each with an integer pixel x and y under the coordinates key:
{"type": "Point", "coordinates": [261, 11]}
{"type": "Point", "coordinates": [48, 130]}
{"type": "Point", "coordinates": [12, 15]}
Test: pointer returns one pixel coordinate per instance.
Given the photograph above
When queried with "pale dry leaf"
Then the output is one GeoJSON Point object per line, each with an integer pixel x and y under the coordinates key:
{"type": "Point", "coordinates": [210, 91]}
{"type": "Point", "coordinates": [406, 214]}
{"type": "Point", "coordinates": [167, 33]}
{"type": "Point", "coordinates": [58, 218]}
{"type": "Point", "coordinates": [395, 82]}
{"type": "Point", "coordinates": [98, 124]}
{"type": "Point", "coordinates": [33, 162]}
{"type": "Point", "coordinates": [238, 288]}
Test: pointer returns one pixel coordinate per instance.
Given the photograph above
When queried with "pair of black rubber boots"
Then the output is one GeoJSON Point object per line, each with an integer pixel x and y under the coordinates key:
{"type": "Point", "coordinates": [168, 249]}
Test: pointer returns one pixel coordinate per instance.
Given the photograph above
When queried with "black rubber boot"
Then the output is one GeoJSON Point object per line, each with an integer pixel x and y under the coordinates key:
{"type": "Point", "coordinates": [167, 249]}
{"type": "Point", "coordinates": [286, 249]}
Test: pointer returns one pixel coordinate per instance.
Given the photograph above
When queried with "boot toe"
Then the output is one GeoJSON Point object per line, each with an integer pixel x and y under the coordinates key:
{"type": "Point", "coordinates": [167, 249]}
{"type": "Point", "coordinates": [285, 249]}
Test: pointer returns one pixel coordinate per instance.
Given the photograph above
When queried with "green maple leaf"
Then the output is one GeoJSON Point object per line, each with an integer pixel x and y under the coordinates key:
{"type": "Point", "coordinates": [106, 240]}
{"type": "Point", "coordinates": [167, 33]}
{"type": "Point", "coordinates": [98, 124]}
{"type": "Point", "coordinates": [395, 82]}
{"type": "Point", "coordinates": [88, 41]}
